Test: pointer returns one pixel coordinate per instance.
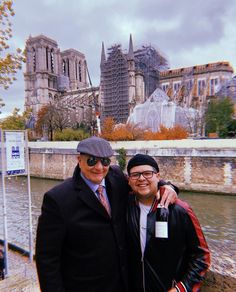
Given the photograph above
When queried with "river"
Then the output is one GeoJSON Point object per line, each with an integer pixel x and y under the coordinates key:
{"type": "Point", "coordinates": [216, 214]}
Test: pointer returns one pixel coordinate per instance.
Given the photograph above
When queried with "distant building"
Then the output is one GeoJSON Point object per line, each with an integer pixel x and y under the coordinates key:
{"type": "Point", "coordinates": [195, 86]}
{"type": "Point", "coordinates": [187, 92]}
{"type": "Point", "coordinates": [57, 76]}
{"type": "Point", "coordinates": [228, 89]}
{"type": "Point", "coordinates": [158, 110]}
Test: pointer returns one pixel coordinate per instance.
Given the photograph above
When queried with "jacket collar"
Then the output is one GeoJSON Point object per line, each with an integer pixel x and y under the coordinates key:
{"type": "Point", "coordinates": [154, 203]}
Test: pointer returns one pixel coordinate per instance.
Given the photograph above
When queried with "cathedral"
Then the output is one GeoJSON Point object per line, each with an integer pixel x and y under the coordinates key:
{"type": "Point", "coordinates": [128, 79]}
{"type": "Point", "coordinates": [55, 76]}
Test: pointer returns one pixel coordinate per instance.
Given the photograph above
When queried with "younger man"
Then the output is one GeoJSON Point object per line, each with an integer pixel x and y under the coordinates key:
{"type": "Point", "coordinates": [175, 263]}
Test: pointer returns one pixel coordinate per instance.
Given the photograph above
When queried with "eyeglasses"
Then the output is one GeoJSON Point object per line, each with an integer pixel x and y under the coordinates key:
{"type": "Point", "coordinates": [92, 160]}
{"type": "Point", "coordinates": [146, 174]}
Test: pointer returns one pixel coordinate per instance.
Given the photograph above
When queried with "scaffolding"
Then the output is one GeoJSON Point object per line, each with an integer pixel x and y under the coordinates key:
{"type": "Point", "coordinates": [116, 78]}
{"type": "Point", "coordinates": [114, 85]}
{"type": "Point", "coordinates": [149, 61]}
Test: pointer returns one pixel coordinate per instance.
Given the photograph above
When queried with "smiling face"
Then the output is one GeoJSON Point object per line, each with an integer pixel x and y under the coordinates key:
{"type": "Point", "coordinates": [144, 188]}
{"type": "Point", "coordinates": [94, 173]}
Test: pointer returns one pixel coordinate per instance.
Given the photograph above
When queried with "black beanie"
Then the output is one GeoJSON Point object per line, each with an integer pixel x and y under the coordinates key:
{"type": "Point", "coordinates": [142, 159]}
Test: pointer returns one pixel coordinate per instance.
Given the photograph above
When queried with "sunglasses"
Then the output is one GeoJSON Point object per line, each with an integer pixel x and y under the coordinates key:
{"type": "Point", "coordinates": [92, 160]}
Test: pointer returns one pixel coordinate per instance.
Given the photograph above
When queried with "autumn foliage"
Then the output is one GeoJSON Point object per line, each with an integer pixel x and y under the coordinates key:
{"type": "Point", "coordinates": [108, 128]}
{"type": "Point", "coordinates": [15, 121]}
{"type": "Point", "coordinates": [10, 62]}
{"type": "Point", "coordinates": [129, 132]}
{"type": "Point", "coordinates": [177, 132]}
{"type": "Point", "coordinates": [120, 132]}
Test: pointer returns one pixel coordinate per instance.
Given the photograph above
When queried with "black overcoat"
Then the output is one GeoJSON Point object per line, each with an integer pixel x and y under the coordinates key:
{"type": "Point", "coordinates": [78, 246]}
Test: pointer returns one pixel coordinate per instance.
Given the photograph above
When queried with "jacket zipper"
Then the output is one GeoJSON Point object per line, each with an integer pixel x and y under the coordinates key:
{"type": "Point", "coordinates": [142, 261]}
{"type": "Point", "coordinates": [142, 258]}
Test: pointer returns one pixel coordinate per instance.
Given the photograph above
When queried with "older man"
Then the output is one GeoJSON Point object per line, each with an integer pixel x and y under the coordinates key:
{"type": "Point", "coordinates": [81, 244]}
{"type": "Point", "coordinates": [168, 252]}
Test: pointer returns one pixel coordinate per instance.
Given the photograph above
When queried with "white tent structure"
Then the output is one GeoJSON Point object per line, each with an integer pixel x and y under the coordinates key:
{"type": "Point", "coordinates": [157, 110]}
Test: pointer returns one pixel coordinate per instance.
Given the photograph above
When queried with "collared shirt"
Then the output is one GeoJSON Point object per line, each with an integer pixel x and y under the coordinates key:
{"type": "Point", "coordinates": [94, 187]}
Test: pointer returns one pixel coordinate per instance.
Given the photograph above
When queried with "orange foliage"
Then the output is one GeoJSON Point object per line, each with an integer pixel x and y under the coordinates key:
{"type": "Point", "coordinates": [177, 132]}
{"type": "Point", "coordinates": [149, 135]}
{"type": "Point", "coordinates": [107, 128]}
{"type": "Point", "coordinates": [122, 133]}
{"type": "Point", "coordinates": [10, 63]}
{"type": "Point", "coordinates": [136, 130]}
{"type": "Point", "coordinates": [129, 132]}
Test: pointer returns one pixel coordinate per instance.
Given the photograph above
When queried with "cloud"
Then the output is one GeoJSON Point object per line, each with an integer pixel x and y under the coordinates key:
{"type": "Point", "coordinates": [13, 97]}
{"type": "Point", "coordinates": [188, 32]}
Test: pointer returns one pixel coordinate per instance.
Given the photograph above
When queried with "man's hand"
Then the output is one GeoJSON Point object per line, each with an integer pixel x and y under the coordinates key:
{"type": "Point", "coordinates": [168, 196]}
{"type": "Point", "coordinates": [172, 290]}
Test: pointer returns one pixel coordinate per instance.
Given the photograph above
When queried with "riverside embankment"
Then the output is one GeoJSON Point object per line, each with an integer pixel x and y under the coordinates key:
{"type": "Point", "coordinates": [196, 165]}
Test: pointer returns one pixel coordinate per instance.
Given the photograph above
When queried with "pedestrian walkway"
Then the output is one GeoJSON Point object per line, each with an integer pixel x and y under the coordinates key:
{"type": "Point", "coordinates": [22, 275]}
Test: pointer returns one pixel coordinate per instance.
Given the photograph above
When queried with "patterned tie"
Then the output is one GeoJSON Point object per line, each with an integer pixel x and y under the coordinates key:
{"type": "Point", "coordinates": [103, 200]}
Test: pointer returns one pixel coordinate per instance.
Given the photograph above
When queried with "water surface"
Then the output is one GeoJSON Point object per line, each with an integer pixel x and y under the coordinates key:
{"type": "Point", "coordinates": [216, 214]}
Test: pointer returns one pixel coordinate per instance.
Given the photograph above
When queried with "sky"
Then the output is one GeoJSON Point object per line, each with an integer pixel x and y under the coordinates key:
{"type": "Point", "coordinates": [186, 32]}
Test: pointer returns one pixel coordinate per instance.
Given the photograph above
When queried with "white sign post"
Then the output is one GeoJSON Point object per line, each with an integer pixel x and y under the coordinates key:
{"type": "Point", "coordinates": [15, 156]}
{"type": "Point", "coordinates": [4, 205]}
{"type": "Point", "coordinates": [15, 161]}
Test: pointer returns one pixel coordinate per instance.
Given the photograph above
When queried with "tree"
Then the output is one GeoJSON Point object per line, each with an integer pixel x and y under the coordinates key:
{"type": "Point", "coordinates": [130, 132]}
{"type": "Point", "coordinates": [107, 128]}
{"type": "Point", "coordinates": [122, 158]}
{"type": "Point", "coordinates": [219, 116]}
{"type": "Point", "coordinates": [135, 130]}
{"type": "Point", "coordinates": [45, 121]}
{"type": "Point", "coordinates": [121, 133]}
{"type": "Point", "coordinates": [14, 121]}
{"type": "Point", "coordinates": [177, 132]}
{"type": "Point", "coordinates": [10, 63]}
{"type": "Point", "coordinates": [52, 117]}
{"type": "Point", "coordinates": [232, 129]}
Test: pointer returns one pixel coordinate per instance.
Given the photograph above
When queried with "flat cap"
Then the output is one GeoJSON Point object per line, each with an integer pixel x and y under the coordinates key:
{"type": "Point", "coordinates": [95, 146]}
{"type": "Point", "coordinates": [142, 159]}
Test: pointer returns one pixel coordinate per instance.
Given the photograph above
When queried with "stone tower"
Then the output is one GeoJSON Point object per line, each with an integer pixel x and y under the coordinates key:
{"type": "Point", "coordinates": [49, 72]}
{"type": "Point", "coordinates": [102, 85]}
{"type": "Point", "coordinates": [131, 70]}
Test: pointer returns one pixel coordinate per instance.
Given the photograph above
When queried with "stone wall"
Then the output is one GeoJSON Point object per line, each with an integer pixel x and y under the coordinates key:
{"type": "Point", "coordinates": [199, 165]}
{"type": "Point", "coordinates": [193, 165]}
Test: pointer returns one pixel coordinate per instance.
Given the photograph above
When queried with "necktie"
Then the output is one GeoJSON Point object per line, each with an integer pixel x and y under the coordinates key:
{"type": "Point", "coordinates": [103, 200]}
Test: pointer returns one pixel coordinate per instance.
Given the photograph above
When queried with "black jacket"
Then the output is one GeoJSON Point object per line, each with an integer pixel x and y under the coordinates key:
{"type": "Point", "coordinates": [79, 248]}
{"type": "Point", "coordinates": [180, 260]}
